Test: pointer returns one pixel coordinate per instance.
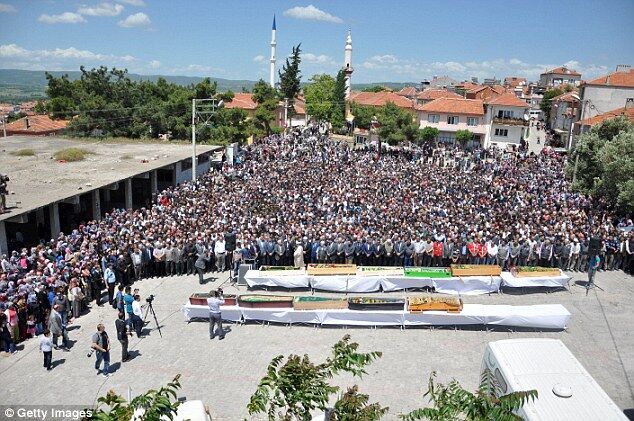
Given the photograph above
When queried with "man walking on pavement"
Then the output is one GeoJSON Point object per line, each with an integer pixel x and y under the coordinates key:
{"type": "Point", "coordinates": [101, 344]}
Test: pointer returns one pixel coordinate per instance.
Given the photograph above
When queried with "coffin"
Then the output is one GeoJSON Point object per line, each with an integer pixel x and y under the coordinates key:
{"type": "Point", "coordinates": [369, 303]}
{"type": "Point", "coordinates": [265, 301]}
{"type": "Point", "coordinates": [476, 270]}
{"type": "Point", "coordinates": [415, 272]}
{"type": "Point", "coordinates": [331, 269]}
{"type": "Point", "coordinates": [276, 268]}
{"type": "Point", "coordinates": [533, 271]}
{"type": "Point", "coordinates": [200, 299]}
{"type": "Point", "coordinates": [449, 304]}
{"type": "Point", "coordinates": [312, 302]}
{"type": "Point", "coordinates": [379, 271]}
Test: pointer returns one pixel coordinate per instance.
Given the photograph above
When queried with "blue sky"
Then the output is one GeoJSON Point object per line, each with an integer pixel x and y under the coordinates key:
{"type": "Point", "coordinates": [392, 40]}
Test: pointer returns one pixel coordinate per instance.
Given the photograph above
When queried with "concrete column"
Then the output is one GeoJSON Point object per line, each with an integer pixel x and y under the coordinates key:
{"type": "Point", "coordinates": [153, 181]}
{"type": "Point", "coordinates": [4, 248]}
{"type": "Point", "coordinates": [39, 216]}
{"type": "Point", "coordinates": [106, 195]}
{"type": "Point", "coordinates": [96, 205]}
{"type": "Point", "coordinates": [53, 214]}
{"type": "Point", "coordinates": [178, 169]}
{"type": "Point", "coordinates": [128, 193]}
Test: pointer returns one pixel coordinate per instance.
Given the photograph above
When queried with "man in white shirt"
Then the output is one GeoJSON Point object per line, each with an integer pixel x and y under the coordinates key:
{"type": "Point", "coordinates": [574, 254]}
{"type": "Point", "coordinates": [137, 315]}
{"type": "Point", "coordinates": [419, 248]}
{"type": "Point", "coordinates": [46, 346]}
{"type": "Point", "coordinates": [214, 304]}
{"type": "Point", "coordinates": [220, 252]}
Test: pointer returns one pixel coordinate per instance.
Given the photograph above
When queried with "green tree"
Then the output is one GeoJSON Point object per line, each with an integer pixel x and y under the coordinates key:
{"type": "Point", "coordinates": [428, 134]}
{"type": "Point", "coordinates": [292, 390]}
{"type": "Point", "coordinates": [319, 95]}
{"type": "Point", "coordinates": [452, 402]}
{"type": "Point", "coordinates": [353, 406]}
{"type": "Point", "coordinates": [290, 79]}
{"type": "Point", "coordinates": [363, 115]}
{"type": "Point", "coordinates": [266, 98]}
{"type": "Point", "coordinates": [154, 405]}
{"type": "Point", "coordinates": [603, 160]}
{"type": "Point", "coordinates": [395, 124]}
{"type": "Point", "coordinates": [546, 102]}
{"type": "Point", "coordinates": [374, 88]}
{"type": "Point", "coordinates": [463, 137]}
{"type": "Point", "coordinates": [338, 114]}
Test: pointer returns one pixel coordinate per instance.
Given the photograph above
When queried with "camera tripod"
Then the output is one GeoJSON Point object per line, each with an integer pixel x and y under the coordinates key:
{"type": "Point", "coordinates": [148, 310]}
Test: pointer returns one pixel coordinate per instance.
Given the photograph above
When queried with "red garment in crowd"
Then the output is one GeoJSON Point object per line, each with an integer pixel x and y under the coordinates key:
{"type": "Point", "coordinates": [437, 249]}
{"type": "Point", "coordinates": [165, 200]}
{"type": "Point", "coordinates": [473, 248]}
{"type": "Point", "coordinates": [482, 250]}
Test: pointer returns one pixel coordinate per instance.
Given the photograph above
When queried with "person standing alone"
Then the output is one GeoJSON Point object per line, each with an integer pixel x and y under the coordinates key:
{"type": "Point", "coordinates": [122, 335]}
{"type": "Point", "coordinates": [46, 346]}
{"type": "Point", "coordinates": [214, 304]}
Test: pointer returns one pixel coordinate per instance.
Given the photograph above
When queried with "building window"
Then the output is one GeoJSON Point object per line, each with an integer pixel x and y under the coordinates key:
{"type": "Point", "coordinates": [501, 132]}
{"type": "Point", "coordinates": [447, 138]}
{"type": "Point", "coordinates": [433, 118]}
{"type": "Point", "coordinates": [505, 114]}
{"type": "Point", "coordinates": [186, 164]}
{"type": "Point", "coordinates": [453, 119]}
{"type": "Point", "coordinates": [472, 121]}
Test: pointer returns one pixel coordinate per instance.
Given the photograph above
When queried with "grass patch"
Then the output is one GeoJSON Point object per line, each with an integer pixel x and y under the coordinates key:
{"type": "Point", "coordinates": [23, 152]}
{"type": "Point", "coordinates": [72, 154]}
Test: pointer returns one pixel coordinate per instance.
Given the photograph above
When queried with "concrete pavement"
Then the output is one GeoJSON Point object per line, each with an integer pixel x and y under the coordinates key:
{"type": "Point", "coordinates": [224, 374]}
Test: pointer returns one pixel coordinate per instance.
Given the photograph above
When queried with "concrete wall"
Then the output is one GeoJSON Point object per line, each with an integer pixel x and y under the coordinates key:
{"type": "Point", "coordinates": [444, 127]}
{"type": "Point", "coordinates": [515, 134]}
{"type": "Point", "coordinates": [186, 175]}
{"type": "Point", "coordinates": [601, 99]}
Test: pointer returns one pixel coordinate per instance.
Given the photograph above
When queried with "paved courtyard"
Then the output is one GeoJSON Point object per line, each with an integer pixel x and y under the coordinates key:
{"type": "Point", "coordinates": [224, 373]}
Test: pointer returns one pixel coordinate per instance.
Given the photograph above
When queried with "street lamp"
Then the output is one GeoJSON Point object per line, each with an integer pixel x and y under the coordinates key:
{"type": "Point", "coordinates": [203, 111]}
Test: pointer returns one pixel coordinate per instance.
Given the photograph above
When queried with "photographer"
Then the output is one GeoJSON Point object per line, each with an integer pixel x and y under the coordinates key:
{"type": "Point", "coordinates": [214, 304]}
{"type": "Point", "coordinates": [101, 344]}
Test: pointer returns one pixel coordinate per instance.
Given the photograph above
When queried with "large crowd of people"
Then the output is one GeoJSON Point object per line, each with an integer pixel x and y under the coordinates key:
{"type": "Point", "coordinates": [304, 198]}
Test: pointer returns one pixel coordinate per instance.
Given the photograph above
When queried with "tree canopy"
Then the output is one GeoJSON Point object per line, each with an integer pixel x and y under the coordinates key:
{"type": "Point", "coordinates": [319, 95]}
{"type": "Point", "coordinates": [267, 99]}
{"type": "Point", "coordinates": [546, 102]}
{"type": "Point", "coordinates": [604, 161]}
{"type": "Point", "coordinates": [107, 102]}
{"type": "Point", "coordinates": [290, 79]}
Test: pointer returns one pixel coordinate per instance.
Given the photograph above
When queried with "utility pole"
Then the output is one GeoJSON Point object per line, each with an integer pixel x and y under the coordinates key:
{"type": "Point", "coordinates": [4, 125]}
{"type": "Point", "coordinates": [203, 110]}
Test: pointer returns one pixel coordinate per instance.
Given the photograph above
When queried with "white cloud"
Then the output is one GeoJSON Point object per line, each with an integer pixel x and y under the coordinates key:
{"type": "Point", "coordinates": [259, 58]}
{"type": "Point", "coordinates": [137, 3]}
{"type": "Point", "coordinates": [7, 8]}
{"type": "Point", "coordinates": [155, 64]}
{"type": "Point", "coordinates": [66, 17]}
{"type": "Point", "coordinates": [310, 12]}
{"type": "Point", "coordinates": [137, 19]}
{"type": "Point", "coordinates": [317, 59]}
{"type": "Point", "coordinates": [68, 55]}
{"type": "Point", "coordinates": [393, 68]}
{"type": "Point", "coordinates": [104, 9]}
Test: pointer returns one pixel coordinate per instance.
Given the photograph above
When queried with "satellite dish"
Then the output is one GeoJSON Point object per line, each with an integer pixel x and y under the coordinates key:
{"type": "Point", "coordinates": [562, 390]}
{"type": "Point", "coordinates": [526, 117]}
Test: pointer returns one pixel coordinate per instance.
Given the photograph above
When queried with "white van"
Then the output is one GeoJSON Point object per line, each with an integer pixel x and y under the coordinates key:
{"type": "Point", "coordinates": [566, 390]}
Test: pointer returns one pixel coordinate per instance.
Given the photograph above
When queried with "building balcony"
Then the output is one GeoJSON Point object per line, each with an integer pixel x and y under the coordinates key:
{"type": "Point", "coordinates": [510, 121]}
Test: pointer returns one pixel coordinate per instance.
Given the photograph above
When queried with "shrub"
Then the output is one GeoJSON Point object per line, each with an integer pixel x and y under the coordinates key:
{"type": "Point", "coordinates": [72, 154]}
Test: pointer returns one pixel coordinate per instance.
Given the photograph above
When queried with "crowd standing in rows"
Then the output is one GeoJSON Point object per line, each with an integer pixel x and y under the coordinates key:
{"type": "Point", "coordinates": [303, 198]}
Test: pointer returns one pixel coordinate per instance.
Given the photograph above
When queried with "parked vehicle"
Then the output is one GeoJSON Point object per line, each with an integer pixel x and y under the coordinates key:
{"type": "Point", "coordinates": [566, 391]}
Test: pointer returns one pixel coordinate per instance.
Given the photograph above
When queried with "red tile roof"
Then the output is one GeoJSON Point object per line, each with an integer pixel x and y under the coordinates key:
{"type": "Point", "coordinates": [567, 97]}
{"type": "Point", "coordinates": [508, 99]}
{"type": "Point", "coordinates": [243, 101]}
{"type": "Point", "coordinates": [430, 94]}
{"type": "Point", "coordinates": [514, 81]}
{"type": "Point", "coordinates": [597, 119]}
{"type": "Point", "coordinates": [378, 99]}
{"type": "Point", "coordinates": [617, 79]}
{"type": "Point", "coordinates": [38, 125]}
{"type": "Point", "coordinates": [454, 106]}
{"type": "Point", "coordinates": [409, 91]}
{"type": "Point", "coordinates": [467, 86]}
{"type": "Point", "coordinates": [562, 70]}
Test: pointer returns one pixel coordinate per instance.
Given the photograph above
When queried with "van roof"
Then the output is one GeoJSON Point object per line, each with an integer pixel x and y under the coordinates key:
{"type": "Point", "coordinates": [541, 364]}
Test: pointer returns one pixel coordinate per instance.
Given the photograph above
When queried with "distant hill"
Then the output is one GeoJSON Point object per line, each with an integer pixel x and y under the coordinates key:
{"type": "Point", "coordinates": [25, 85]}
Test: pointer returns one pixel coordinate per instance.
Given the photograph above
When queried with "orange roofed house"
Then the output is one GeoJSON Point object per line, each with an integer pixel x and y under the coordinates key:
{"type": "Point", "coordinates": [559, 76]}
{"type": "Point", "coordinates": [36, 125]}
{"type": "Point", "coordinates": [507, 120]}
{"type": "Point", "coordinates": [607, 92]}
{"type": "Point", "coordinates": [449, 115]}
{"type": "Point", "coordinates": [585, 125]}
